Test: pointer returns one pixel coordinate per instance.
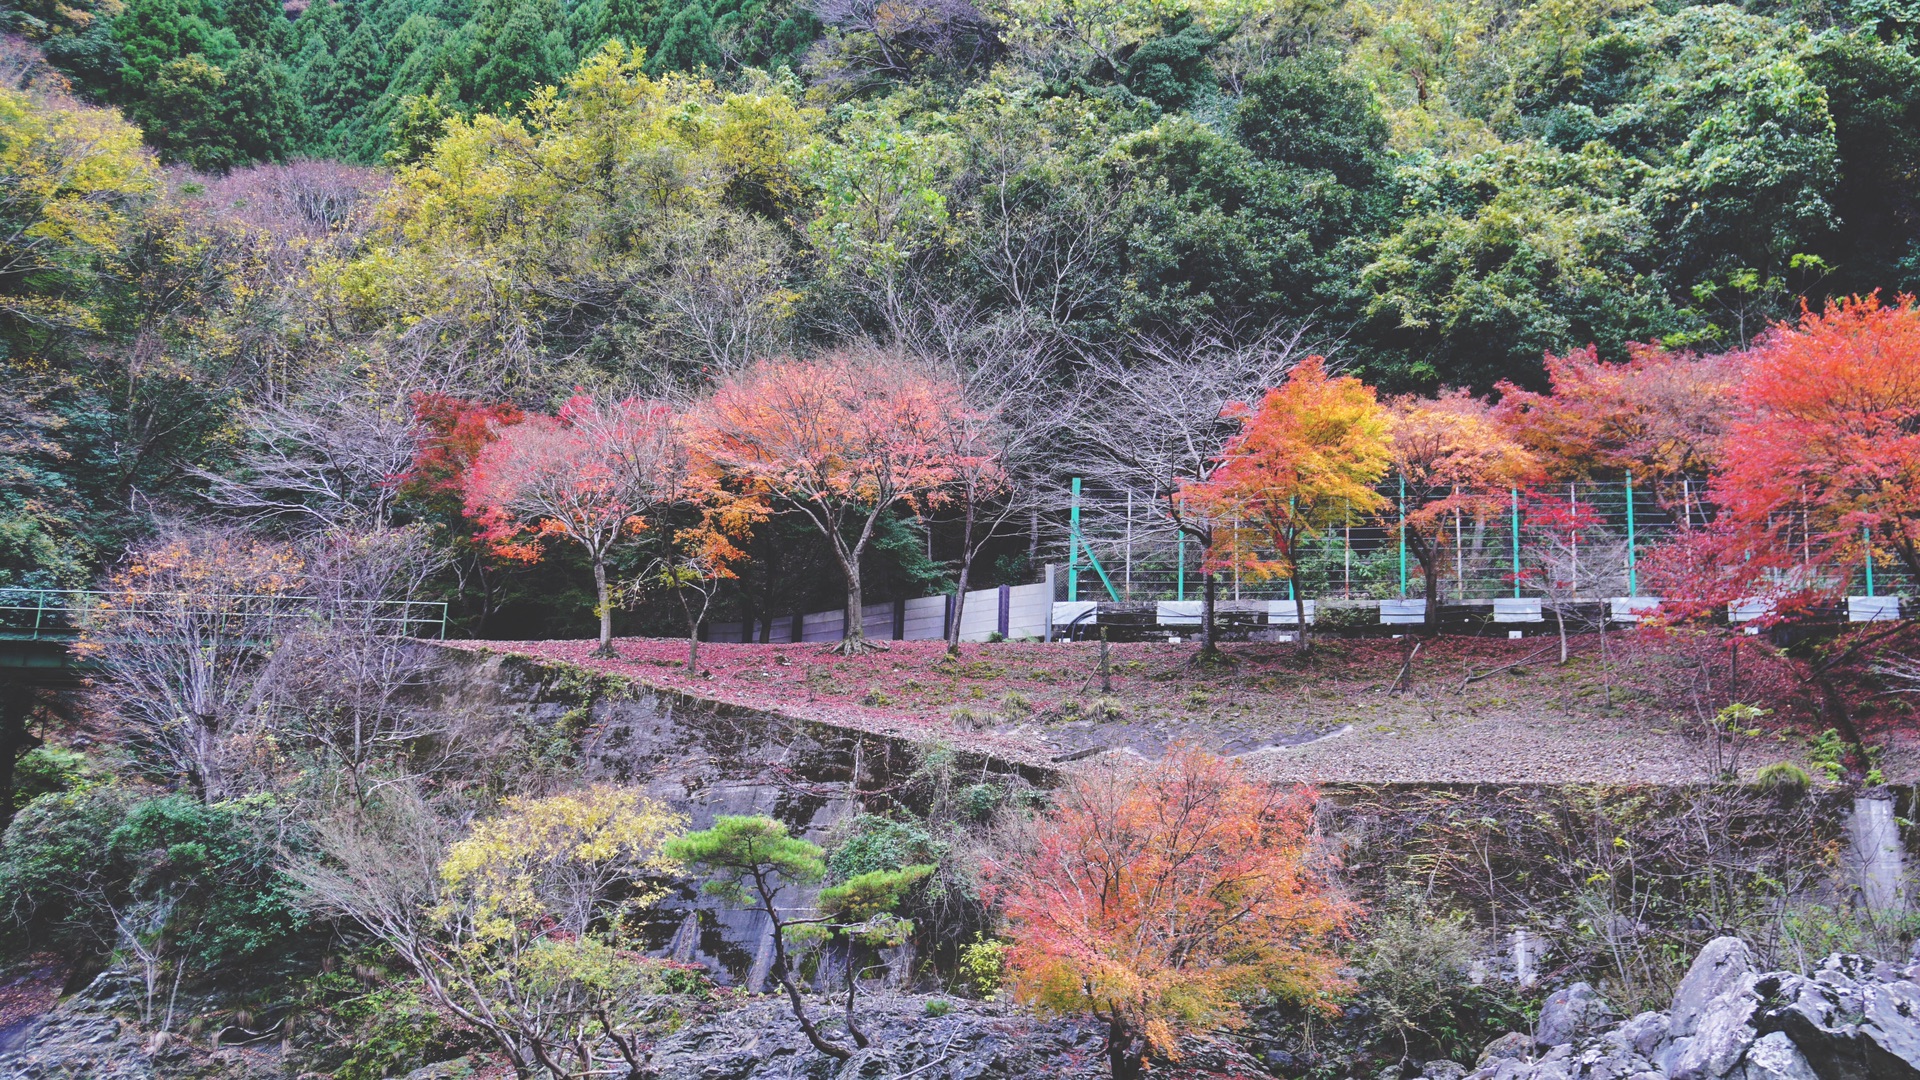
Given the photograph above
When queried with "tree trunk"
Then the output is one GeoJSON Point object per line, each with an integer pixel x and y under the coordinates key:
{"type": "Point", "coordinates": [15, 741]}
{"type": "Point", "coordinates": [1560, 620]}
{"type": "Point", "coordinates": [604, 605]}
{"type": "Point", "coordinates": [1428, 556]}
{"type": "Point", "coordinates": [820, 1042]}
{"type": "Point", "coordinates": [853, 985]}
{"type": "Point", "coordinates": [966, 574]}
{"type": "Point", "coordinates": [1208, 645]}
{"type": "Point", "coordinates": [1125, 1049]}
{"type": "Point", "coordinates": [853, 637]}
{"type": "Point", "coordinates": [1300, 618]}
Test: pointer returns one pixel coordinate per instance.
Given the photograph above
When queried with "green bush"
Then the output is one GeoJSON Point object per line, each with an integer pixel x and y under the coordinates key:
{"type": "Point", "coordinates": [876, 843]}
{"type": "Point", "coordinates": [46, 770]}
{"type": "Point", "coordinates": [1414, 969]}
{"type": "Point", "coordinates": [937, 1007]}
{"type": "Point", "coordinates": [208, 874]}
{"type": "Point", "coordinates": [977, 802]}
{"type": "Point", "coordinates": [983, 966]}
{"type": "Point", "coordinates": [1782, 776]}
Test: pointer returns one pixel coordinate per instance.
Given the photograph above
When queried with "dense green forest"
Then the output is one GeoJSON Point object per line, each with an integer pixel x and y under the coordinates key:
{"type": "Point", "coordinates": [340, 207]}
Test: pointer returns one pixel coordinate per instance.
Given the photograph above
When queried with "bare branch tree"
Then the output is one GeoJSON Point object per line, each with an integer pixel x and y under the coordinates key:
{"type": "Point", "coordinates": [325, 462]}
{"type": "Point", "coordinates": [1149, 420]}
{"type": "Point", "coordinates": [345, 684]}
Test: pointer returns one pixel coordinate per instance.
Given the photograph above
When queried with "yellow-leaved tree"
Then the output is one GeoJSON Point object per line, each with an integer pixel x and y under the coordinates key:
{"type": "Point", "coordinates": [72, 174]}
{"type": "Point", "coordinates": [521, 929]}
{"type": "Point", "coordinates": [646, 214]}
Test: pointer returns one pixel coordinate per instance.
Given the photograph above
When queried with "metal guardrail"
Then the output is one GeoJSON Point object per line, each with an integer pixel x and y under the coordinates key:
{"type": "Point", "coordinates": [28, 614]}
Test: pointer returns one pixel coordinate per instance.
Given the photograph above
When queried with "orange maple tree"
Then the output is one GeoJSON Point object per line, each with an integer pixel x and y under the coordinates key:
{"type": "Point", "coordinates": [1662, 414]}
{"type": "Point", "coordinates": [1160, 896]}
{"type": "Point", "coordinates": [1306, 459]}
{"type": "Point", "coordinates": [842, 440]}
{"type": "Point", "coordinates": [1824, 464]}
{"type": "Point", "coordinates": [1455, 458]}
{"type": "Point", "coordinates": [591, 475]}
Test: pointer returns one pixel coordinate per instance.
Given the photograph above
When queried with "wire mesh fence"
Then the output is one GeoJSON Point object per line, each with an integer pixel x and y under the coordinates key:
{"type": "Point", "coordinates": [1588, 539]}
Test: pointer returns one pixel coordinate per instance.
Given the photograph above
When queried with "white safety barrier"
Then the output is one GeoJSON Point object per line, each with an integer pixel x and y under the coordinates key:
{"type": "Point", "coordinates": [1517, 609]}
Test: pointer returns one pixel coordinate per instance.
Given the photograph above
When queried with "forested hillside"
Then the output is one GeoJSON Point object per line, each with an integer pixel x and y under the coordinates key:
{"type": "Point", "coordinates": [244, 239]}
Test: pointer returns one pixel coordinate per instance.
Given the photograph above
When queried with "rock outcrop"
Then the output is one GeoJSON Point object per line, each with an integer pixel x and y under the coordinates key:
{"type": "Point", "coordinates": [1854, 1019]}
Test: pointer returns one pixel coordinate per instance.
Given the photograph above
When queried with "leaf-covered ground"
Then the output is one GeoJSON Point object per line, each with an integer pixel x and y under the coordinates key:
{"type": "Point", "coordinates": [1471, 709]}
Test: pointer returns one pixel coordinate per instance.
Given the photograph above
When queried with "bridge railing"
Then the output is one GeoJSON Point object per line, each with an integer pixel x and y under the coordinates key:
{"type": "Point", "coordinates": [30, 614]}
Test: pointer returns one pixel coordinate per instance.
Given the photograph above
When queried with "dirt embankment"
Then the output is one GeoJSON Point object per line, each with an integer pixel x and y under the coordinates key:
{"type": "Point", "coordinates": [1632, 709]}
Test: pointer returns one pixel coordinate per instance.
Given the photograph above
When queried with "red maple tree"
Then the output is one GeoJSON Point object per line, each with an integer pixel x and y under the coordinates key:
{"type": "Point", "coordinates": [842, 440]}
{"type": "Point", "coordinates": [1306, 459]}
{"type": "Point", "coordinates": [1662, 414]}
{"type": "Point", "coordinates": [1823, 463]}
{"type": "Point", "coordinates": [589, 475]}
{"type": "Point", "coordinates": [1453, 458]}
{"type": "Point", "coordinates": [1160, 896]}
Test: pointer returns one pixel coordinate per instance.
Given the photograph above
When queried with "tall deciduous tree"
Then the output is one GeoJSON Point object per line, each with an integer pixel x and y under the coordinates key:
{"type": "Point", "coordinates": [842, 440]}
{"type": "Point", "coordinates": [1454, 459]}
{"type": "Point", "coordinates": [1828, 467]}
{"type": "Point", "coordinates": [1306, 459]}
{"type": "Point", "coordinates": [1662, 413]}
{"type": "Point", "coordinates": [591, 475]}
{"type": "Point", "coordinates": [1154, 423]}
{"type": "Point", "coordinates": [1160, 896]}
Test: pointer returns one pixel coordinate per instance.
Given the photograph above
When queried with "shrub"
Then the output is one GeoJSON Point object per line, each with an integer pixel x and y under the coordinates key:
{"type": "Point", "coordinates": [977, 802]}
{"type": "Point", "coordinates": [878, 697]}
{"type": "Point", "coordinates": [46, 770]}
{"type": "Point", "coordinates": [1115, 909]}
{"type": "Point", "coordinates": [875, 843]}
{"type": "Point", "coordinates": [983, 965]}
{"type": "Point", "coordinates": [1782, 776]}
{"type": "Point", "coordinates": [937, 1007]}
{"type": "Point", "coordinates": [1414, 969]}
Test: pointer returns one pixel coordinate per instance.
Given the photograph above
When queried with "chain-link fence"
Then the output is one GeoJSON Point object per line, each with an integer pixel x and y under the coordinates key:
{"type": "Point", "coordinates": [1582, 539]}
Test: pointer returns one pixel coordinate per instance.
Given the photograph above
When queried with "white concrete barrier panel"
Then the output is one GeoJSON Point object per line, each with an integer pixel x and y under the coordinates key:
{"type": "Point", "coordinates": [1873, 608]}
{"type": "Point", "coordinates": [1517, 609]}
{"type": "Point", "coordinates": [1403, 612]}
{"type": "Point", "coordinates": [1281, 613]}
{"type": "Point", "coordinates": [1179, 612]}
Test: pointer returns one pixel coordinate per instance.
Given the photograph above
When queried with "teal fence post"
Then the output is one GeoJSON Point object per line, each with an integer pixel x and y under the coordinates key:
{"type": "Point", "coordinates": [1633, 577]}
{"type": "Point", "coordinates": [1073, 545]}
{"type": "Point", "coordinates": [1516, 541]}
{"type": "Point", "coordinates": [1403, 536]}
{"type": "Point", "coordinates": [1866, 537]}
{"type": "Point", "coordinates": [1180, 545]}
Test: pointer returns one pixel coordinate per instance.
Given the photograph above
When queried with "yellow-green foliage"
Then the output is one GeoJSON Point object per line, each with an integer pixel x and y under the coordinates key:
{"type": "Point", "coordinates": [557, 859]}
{"type": "Point", "coordinates": [611, 178]}
{"type": "Point", "coordinates": [71, 173]}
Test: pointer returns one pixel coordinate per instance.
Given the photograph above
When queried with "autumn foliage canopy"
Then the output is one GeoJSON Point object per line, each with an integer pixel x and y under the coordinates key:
{"type": "Point", "coordinates": [1160, 896]}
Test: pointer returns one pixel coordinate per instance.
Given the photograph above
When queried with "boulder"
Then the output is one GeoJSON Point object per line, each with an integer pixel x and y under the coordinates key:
{"type": "Point", "coordinates": [1643, 1034]}
{"type": "Point", "coordinates": [1720, 969]}
{"type": "Point", "coordinates": [1570, 1013]}
{"type": "Point", "coordinates": [1774, 1057]}
{"type": "Point", "coordinates": [1513, 1046]}
{"type": "Point", "coordinates": [1721, 1035]}
{"type": "Point", "coordinates": [1847, 1027]}
{"type": "Point", "coordinates": [1442, 1070]}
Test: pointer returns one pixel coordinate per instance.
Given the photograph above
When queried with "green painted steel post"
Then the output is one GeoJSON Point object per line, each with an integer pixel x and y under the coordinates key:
{"type": "Point", "coordinates": [1866, 537]}
{"type": "Point", "coordinates": [1403, 536]}
{"type": "Point", "coordinates": [1516, 542]}
{"type": "Point", "coordinates": [1181, 546]}
{"type": "Point", "coordinates": [1633, 575]}
{"type": "Point", "coordinates": [1073, 545]}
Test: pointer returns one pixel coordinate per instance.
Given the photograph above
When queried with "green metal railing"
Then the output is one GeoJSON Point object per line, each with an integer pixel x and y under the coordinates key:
{"type": "Point", "coordinates": [28, 614]}
{"type": "Point", "coordinates": [1486, 556]}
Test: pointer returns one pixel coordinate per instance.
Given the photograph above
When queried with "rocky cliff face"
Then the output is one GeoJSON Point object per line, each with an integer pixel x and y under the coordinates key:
{"type": "Point", "coordinates": [1853, 1019]}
